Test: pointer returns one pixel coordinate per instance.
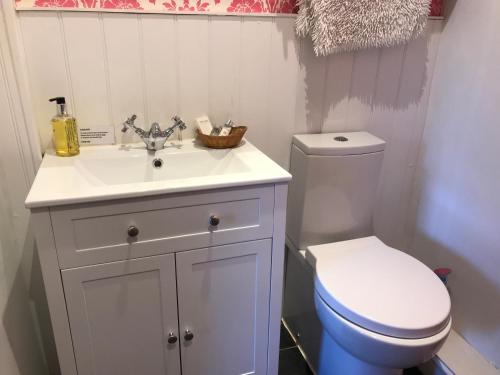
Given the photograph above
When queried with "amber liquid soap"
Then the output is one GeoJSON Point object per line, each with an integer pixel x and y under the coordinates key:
{"type": "Point", "coordinates": [64, 131]}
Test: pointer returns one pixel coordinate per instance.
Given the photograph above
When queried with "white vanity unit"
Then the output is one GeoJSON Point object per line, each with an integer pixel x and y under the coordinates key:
{"type": "Point", "coordinates": [165, 269]}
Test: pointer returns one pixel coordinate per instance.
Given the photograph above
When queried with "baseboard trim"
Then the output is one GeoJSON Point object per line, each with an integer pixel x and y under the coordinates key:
{"type": "Point", "coordinates": [458, 357]}
{"type": "Point", "coordinates": [435, 367]}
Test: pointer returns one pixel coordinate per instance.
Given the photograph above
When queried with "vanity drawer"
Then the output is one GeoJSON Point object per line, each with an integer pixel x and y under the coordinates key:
{"type": "Point", "coordinates": [96, 233]}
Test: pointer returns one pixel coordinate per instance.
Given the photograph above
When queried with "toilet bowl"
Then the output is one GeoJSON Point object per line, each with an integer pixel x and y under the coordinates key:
{"type": "Point", "coordinates": [393, 315]}
{"type": "Point", "coordinates": [349, 349]}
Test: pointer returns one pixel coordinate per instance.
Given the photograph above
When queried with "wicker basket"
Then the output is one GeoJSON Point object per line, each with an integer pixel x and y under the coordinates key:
{"type": "Point", "coordinates": [228, 141]}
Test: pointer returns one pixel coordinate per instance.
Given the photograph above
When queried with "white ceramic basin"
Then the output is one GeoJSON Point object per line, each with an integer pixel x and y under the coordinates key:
{"type": "Point", "coordinates": [136, 166]}
{"type": "Point", "coordinates": [121, 171]}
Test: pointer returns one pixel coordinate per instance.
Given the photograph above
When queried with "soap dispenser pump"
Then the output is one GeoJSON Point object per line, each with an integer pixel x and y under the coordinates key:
{"type": "Point", "coordinates": [64, 130]}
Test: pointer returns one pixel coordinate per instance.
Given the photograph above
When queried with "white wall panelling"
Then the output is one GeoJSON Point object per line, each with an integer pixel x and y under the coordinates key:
{"type": "Point", "coordinates": [193, 66]}
{"type": "Point", "coordinates": [122, 38]}
{"type": "Point", "coordinates": [251, 69]}
{"type": "Point", "coordinates": [224, 67]}
{"type": "Point", "coordinates": [407, 124]}
{"type": "Point", "coordinates": [159, 66]}
{"type": "Point", "coordinates": [254, 81]}
{"type": "Point", "coordinates": [20, 345]}
{"type": "Point", "coordinates": [84, 58]}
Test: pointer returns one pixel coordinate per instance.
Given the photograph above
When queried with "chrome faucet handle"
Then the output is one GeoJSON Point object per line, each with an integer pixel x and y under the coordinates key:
{"type": "Point", "coordinates": [129, 122]}
{"type": "Point", "coordinates": [179, 123]}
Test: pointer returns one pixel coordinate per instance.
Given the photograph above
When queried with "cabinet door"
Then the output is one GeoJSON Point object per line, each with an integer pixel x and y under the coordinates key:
{"type": "Point", "coordinates": [121, 315]}
{"type": "Point", "coordinates": [223, 295]}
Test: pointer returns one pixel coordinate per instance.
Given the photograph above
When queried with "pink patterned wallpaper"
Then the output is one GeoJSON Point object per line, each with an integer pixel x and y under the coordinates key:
{"type": "Point", "coordinates": [168, 6]}
{"type": "Point", "coordinates": [436, 8]}
{"type": "Point", "coordinates": [181, 6]}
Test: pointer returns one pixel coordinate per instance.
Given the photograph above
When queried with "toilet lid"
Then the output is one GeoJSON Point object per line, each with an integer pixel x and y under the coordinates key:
{"type": "Point", "coordinates": [380, 288]}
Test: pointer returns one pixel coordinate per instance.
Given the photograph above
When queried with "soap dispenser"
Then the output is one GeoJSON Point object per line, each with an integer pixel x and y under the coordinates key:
{"type": "Point", "coordinates": [64, 130]}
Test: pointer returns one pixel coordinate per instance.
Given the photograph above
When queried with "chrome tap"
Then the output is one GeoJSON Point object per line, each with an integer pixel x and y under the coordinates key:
{"type": "Point", "coordinates": [155, 138]}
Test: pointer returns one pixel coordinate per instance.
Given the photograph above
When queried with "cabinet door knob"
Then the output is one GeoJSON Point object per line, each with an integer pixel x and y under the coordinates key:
{"type": "Point", "coordinates": [214, 220]}
{"type": "Point", "coordinates": [172, 339]}
{"type": "Point", "coordinates": [132, 231]}
{"type": "Point", "coordinates": [188, 335]}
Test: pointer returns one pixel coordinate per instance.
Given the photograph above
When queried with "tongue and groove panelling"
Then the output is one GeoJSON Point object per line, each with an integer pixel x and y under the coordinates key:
{"type": "Point", "coordinates": [248, 68]}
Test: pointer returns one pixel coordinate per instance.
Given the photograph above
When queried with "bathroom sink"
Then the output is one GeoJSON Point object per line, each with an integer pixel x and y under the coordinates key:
{"type": "Point", "coordinates": [136, 166]}
{"type": "Point", "coordinates": [126, 171]}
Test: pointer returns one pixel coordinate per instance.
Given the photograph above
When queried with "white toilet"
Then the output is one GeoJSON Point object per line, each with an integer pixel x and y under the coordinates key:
{"type": "Point", "coordinates": [354, 304]}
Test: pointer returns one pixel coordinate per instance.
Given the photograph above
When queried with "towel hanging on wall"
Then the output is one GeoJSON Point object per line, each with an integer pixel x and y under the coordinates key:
{"type": "Point", "coordinates": [349, 25]}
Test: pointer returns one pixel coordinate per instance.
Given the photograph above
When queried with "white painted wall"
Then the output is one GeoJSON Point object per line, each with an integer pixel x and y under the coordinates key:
{"type": "Point", "coordinates": [251, 69]}
{"type": "Point", "coordinates": [20, 349]}
{"type": "Point", "coordinates": [458, 182]}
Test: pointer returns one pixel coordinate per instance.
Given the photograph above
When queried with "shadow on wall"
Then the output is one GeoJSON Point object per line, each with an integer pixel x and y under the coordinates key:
{"type": "Point", "coordinates": [24, 309]}
{"type": "Point", "coordinates": [475, 299]}
{"type": "Point", "coordinates": [449, 5]}
{"type": "Point", "coordinates": [380, 90]}
{"type": "Point", "coordinates": [347, 91]}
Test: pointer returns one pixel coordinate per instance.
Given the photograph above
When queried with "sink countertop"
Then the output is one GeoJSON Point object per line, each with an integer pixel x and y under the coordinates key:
{"type": "Point", "coordinates": [126, 171]}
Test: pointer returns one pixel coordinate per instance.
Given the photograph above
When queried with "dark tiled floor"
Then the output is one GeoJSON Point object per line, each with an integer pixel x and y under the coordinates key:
{"type": "Point", "coordinates": [293, 363]}
{"type": "Point", "coordinates": [412, 371]}
{"type": "Point", "coordinates": [291, 360]}
{"type": "Point", "coordinates": [286, 340]}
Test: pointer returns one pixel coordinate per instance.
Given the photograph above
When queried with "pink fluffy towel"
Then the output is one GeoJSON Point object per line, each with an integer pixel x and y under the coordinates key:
{"type": "Point", "coordinates": [349, 25]}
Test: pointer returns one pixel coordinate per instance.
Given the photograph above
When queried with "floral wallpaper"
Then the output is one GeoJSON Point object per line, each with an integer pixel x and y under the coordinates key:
{"type": "Point", "coordinates": [181, 6]}
{"type": "Point", "coordinates": [168, 6]}
{"type": "Point", "coordinates": [436, 8]}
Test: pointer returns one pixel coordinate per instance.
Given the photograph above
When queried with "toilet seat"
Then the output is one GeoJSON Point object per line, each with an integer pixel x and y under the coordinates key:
{"type": "Point", "coordinates": [380, 288]}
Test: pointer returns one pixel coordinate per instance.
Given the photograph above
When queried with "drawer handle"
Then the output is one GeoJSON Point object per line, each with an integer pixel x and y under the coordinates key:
{"type": "Point", "coordinates": [132, 231]}
{"type": "Point", "coordinates": [214, 220]}
{"type": "Point", "coordinates": [188, 335]}
{"type": "Point", "coordinates": [172, 339]}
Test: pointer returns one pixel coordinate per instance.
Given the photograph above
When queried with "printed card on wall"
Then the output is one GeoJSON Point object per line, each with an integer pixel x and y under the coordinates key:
{"type": "Point", "coordinates": [97, 135]}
